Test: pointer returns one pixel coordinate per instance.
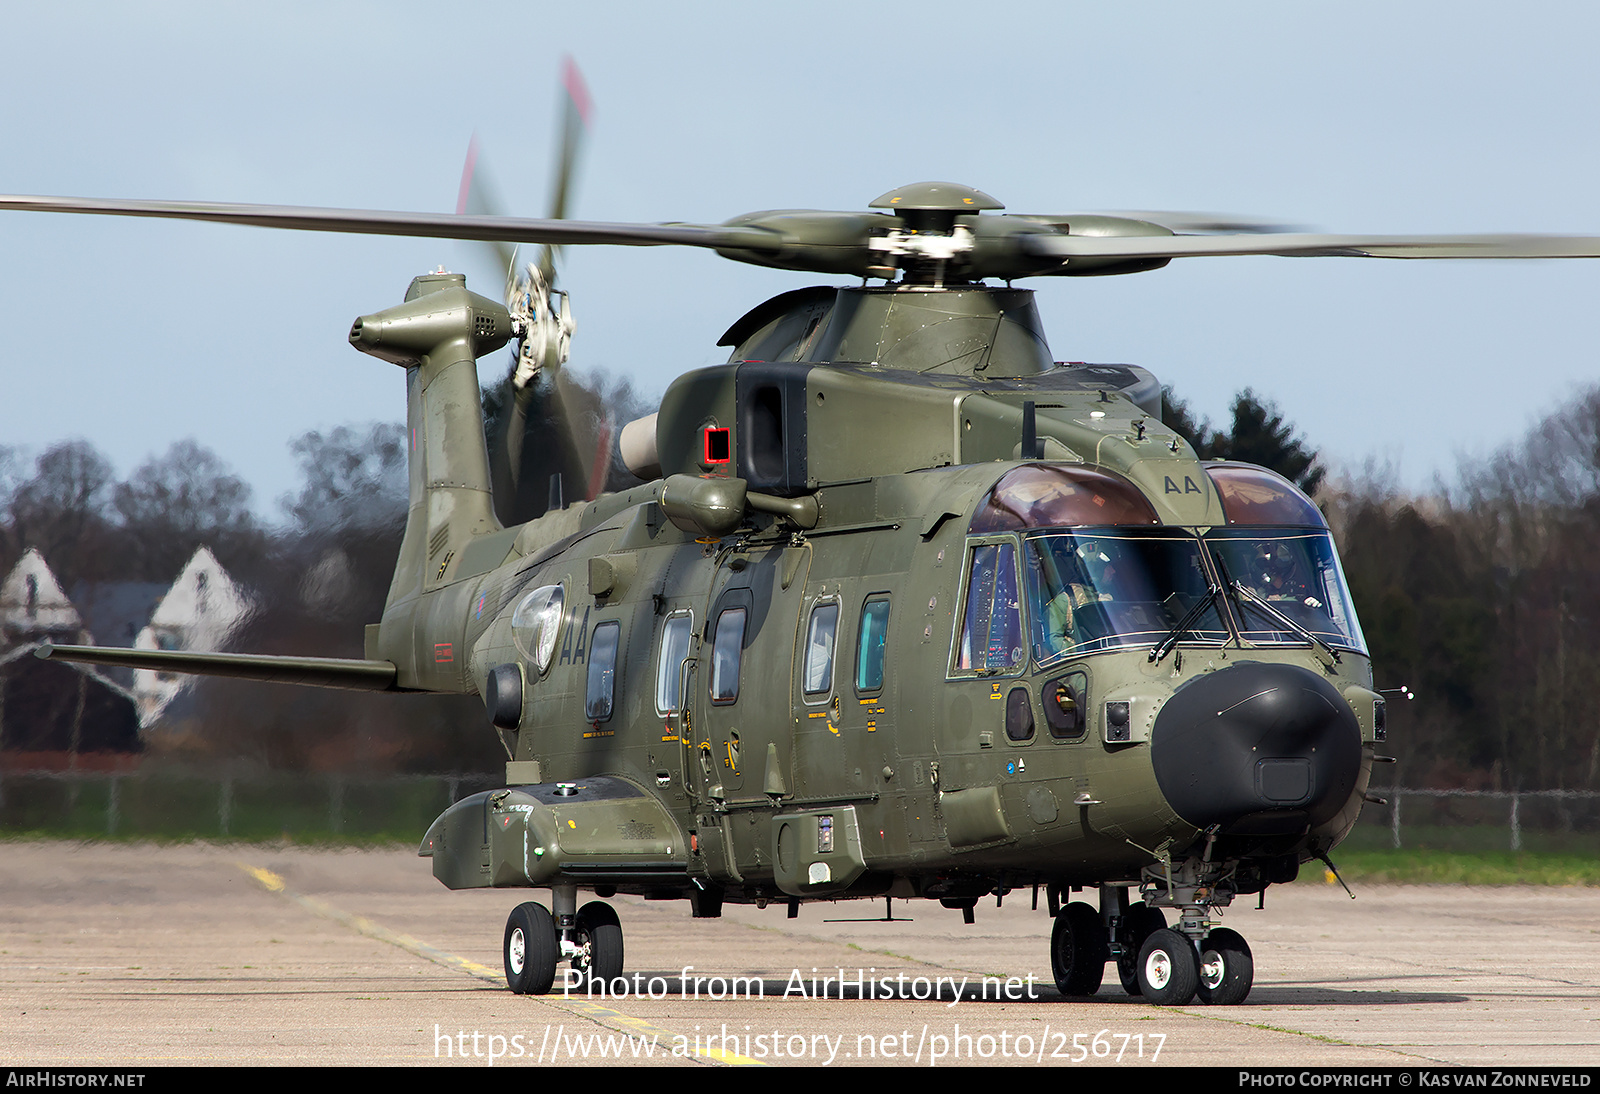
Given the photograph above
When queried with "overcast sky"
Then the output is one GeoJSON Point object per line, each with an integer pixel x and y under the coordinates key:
{"type": "Point", "coordinates": [1349, 116]}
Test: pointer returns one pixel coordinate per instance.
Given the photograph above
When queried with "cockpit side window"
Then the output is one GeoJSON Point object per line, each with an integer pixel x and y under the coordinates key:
{"type": "Point", "coordinates": [990, 638]}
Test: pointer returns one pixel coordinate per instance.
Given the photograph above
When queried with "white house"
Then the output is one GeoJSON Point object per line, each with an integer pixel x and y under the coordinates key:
{"type": "Point", "coordinates": [34, 608]}
{"type": "Point", "coordinates": [199, 613]}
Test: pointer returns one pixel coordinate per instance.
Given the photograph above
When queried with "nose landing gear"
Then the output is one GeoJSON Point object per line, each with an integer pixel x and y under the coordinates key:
{"type": "Point", "coordinates": [1167, 966]}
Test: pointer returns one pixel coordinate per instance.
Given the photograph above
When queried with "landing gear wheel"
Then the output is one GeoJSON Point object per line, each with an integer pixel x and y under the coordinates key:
{"type": "Point", "coordinates": [598, 935]}
{"type": "Point", "coordinates": [530, 949]}
{"type": "Point", "coordinates": [1169, 973]}
{"type": "Point", "coordinates": [1226, 969]}
{"type": "Point", "coordinates": [1139, 924]}
{"type": "Point", "coordinates": [1078, 951]}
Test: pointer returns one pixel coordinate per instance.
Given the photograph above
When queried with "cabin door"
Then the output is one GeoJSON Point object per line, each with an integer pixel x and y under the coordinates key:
{"type": "Point", "coordinates": [742, 739]}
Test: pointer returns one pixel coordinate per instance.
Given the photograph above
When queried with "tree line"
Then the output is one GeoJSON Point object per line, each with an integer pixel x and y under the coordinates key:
{"type": "Point", "coordinates": [1482, 597]}
{"type": "Point", "coordinates": [315, 577]}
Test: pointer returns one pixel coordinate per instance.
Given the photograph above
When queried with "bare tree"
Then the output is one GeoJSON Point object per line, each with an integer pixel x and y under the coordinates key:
{"type": "Point", "coordinates": [182, 500]}
{"type": "Point", "coordinates": [61, 510]}
{"type": "Point", "coordinates": [354, 477]}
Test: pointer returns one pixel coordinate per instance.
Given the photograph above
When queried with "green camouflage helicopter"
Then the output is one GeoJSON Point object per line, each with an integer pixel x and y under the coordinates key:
{"type": "Point", "coordinates": [906, 609]}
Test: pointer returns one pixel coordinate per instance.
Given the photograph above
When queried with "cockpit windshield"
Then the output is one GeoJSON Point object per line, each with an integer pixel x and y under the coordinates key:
{"type": "Point", "coordinates": [1099, 573]}
{"type": "Point", "coordinates": [1093, 589]}
{"type": "Point", "coordinates": [1294, 571]}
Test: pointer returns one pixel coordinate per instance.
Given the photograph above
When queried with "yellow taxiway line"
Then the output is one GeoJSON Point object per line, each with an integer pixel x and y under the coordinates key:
{"type": "Point", "coordinates": [614, 1019]}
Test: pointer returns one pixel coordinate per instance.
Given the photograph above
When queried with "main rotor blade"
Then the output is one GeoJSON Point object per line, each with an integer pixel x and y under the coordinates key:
{"type": "Point", "coordinates": [1204, 223]}
{"type": "Point", "coordinates": [427, 225]}
{"type": "Point", "coordinates": [1315, 245]}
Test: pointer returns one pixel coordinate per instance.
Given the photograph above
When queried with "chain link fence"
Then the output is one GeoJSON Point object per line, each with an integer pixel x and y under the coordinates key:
{"type": "Point", "coordinates": [1564, 821]}
{"type": "Point", "coordinates": [175, 803]}
{"type": "Point", "coordinates": [184, 804]}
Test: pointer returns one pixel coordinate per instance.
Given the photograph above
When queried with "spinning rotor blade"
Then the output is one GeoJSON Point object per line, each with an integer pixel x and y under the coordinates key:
{"type": "Point", "coordinates": [576, 109]}
{"type": "Point", "coordinates": [1306, 244]}
{"type": "Point", "coordinates": [427, 225]}
{"type": "Point", "coordinates": [933, 233]}
{"type": "Point", "coordinates": [546, 400]}
{"type": "Point", "coordinates": [476, 199]}
{"type": "Point", "coordinates": [1189, 223]}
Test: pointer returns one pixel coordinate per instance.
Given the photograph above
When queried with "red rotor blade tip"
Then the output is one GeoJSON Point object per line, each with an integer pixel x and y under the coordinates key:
{"type": "Point", "coordinates": [466, 175]}
{"type": "Point", "coordinates": [577, 90]}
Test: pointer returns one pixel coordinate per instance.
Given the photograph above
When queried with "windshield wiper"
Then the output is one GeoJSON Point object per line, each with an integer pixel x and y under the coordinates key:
{"type": "Point", "coordinates": [1285, 621]}
{"type": "Point", "coordinates": [1164, 647]}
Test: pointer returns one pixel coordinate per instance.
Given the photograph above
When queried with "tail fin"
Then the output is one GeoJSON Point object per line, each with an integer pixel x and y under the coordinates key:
{"type": "Point", "coordinates": [437, 334]}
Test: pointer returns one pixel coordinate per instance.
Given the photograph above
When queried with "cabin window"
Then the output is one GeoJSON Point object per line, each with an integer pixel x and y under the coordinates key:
{"type": "Point", "coordinates": [870, 644]}
{"type": "Point", "coordinates": [669, 669]}
{"type": "Point", "coordinates": [820, 634]}
{"type": "Point", "coordinates": [602, 671]}
{"type": "Point", "coordinates": [726, 651]}
{"type": "Point", "coordinates": [991, 622]}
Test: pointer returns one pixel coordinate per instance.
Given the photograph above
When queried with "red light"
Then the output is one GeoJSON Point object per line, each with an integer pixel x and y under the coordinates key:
{"type": "Point", "coordinates": [719, 445]}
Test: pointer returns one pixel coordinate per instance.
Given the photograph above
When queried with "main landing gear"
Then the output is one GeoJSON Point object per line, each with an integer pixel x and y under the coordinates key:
{"type": "Point", "coordinates": [1168, 967]}
{"type": "Point", "coordinates": [537, 941]}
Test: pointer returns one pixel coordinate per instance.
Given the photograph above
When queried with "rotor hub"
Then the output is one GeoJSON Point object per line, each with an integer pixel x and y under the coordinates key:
{"type": "Point", "coordinates": [927, 242]}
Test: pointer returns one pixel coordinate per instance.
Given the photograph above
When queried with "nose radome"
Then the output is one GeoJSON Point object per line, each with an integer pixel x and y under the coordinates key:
{"type": "Point", "coordinates": [1256, 748]}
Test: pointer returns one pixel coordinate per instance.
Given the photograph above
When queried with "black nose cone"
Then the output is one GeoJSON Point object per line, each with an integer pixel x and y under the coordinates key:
{"type": "Point", "coordinates": [1257, 748]}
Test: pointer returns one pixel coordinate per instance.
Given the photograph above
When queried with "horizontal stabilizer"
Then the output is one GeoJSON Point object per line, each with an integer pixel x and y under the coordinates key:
{"type": "Point", "coordinates": [322, 672]}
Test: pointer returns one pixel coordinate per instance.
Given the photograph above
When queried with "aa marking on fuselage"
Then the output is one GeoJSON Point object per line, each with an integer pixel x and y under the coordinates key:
{"type": "Point", "coordinates": [569, 653]}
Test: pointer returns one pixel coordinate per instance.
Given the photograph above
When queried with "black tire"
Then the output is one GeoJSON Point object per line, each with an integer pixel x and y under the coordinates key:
{"type": "Point", "coordinates": [1139, 924]}
{"type": "Point", "coordinates": [1078, 950]}
{"type": "Point", "coordinates": [1169, 972]}
{"type": "Point", "coordinates": [530, 949]}
{"type": "Point", "coordinates": [1226, 969]}
{"type": "Point", "coordinates": [600, 932]}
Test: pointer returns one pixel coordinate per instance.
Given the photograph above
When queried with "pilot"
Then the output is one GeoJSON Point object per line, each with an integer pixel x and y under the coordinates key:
{"type": "Point", "coordinates": [1064, 624]}
{"type": "Point", "coordinates": [1279, 576]}
{"type": "Point", "coordinates": [1102, 571]}
{"type": "Point", "coordinates": [1059, 622]}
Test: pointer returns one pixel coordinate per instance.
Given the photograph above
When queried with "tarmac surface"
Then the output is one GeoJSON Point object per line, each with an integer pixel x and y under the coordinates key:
{"type": "Point", "coordinates": [130, 955]}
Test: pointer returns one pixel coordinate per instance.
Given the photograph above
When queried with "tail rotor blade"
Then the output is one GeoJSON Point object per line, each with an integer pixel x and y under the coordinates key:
{"type": "Point", "coordinates": [574, 430]}
{"type": "Point", "coordinates": [476, 198]}
{"type": "Point", "coordinates": [577, 107]}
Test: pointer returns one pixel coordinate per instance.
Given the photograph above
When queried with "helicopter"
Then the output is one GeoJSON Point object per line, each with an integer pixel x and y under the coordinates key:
{"type": "Point", "coordinates": [904, 608]}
